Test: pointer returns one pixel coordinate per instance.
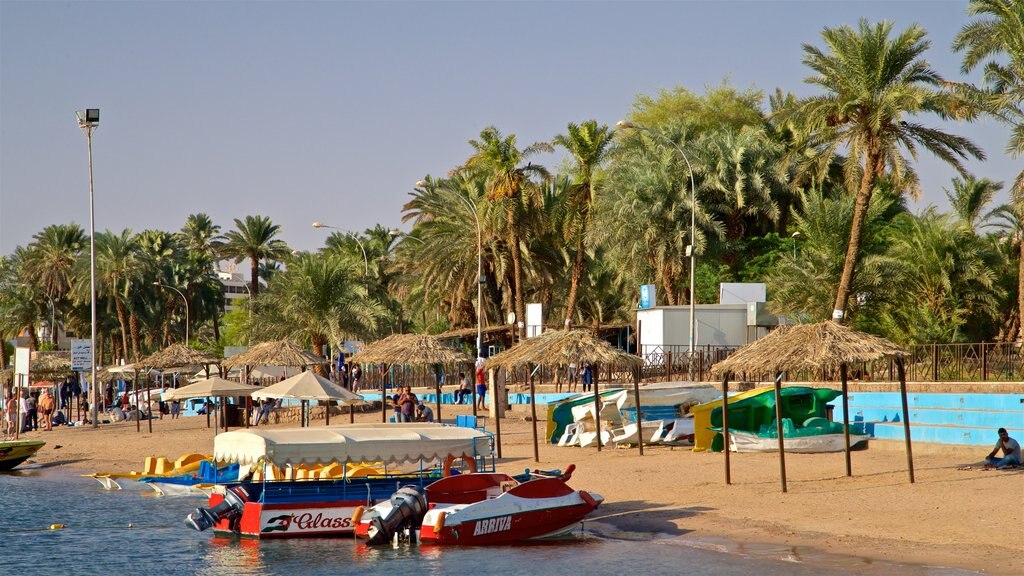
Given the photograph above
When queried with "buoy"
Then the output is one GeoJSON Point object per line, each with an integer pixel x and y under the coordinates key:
{"type": "Point", "coordinates": [56, 527]}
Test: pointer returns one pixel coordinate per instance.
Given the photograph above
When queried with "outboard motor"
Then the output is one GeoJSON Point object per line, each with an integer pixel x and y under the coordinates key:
{"type": "Point", "coordinates": [235, 498]}
{"type": "Point", "coordinates": [408, 507]}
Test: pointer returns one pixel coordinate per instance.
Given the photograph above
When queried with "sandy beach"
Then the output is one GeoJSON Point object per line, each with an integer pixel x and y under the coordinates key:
{"type": "Point", "coordinates": [971, 519]}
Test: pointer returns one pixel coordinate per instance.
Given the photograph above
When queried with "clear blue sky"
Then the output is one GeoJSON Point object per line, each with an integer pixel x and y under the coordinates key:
{"type": "Point", "coordinates": [331, 111]}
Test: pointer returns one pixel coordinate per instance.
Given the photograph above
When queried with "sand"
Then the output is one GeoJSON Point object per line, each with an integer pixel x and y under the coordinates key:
{"type": "Point", "coordinates": [971, 519]}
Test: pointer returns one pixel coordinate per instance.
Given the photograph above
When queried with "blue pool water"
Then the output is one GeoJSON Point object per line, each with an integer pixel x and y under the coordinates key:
{"type": "Point", "coordinates": [97, 540]}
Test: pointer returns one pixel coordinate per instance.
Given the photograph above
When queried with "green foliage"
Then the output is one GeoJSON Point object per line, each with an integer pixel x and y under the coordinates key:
{"type": "Point", "coordinates": [721, 106]}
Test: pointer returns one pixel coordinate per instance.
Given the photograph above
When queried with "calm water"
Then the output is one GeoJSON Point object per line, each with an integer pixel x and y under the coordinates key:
{"type": "Point", "coordinates": [97, 540]}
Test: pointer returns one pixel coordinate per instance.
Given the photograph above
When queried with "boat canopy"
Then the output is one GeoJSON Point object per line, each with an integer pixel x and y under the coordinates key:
{"type": "Point", "coordinates": [388, 443]}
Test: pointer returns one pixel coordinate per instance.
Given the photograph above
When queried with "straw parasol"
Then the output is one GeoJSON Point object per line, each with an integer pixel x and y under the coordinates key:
{"type": "Point", "coordinates": [410, 349]}
{"type": "Point", "coordinates": [824, 345]}
{"type": "Point", "coordinates": [416, 349]}
{"type": "Point", "coordinates": [52, 362]}
{"type": "Point", "coordinates": [558, 347]}
{"type": "Point", "coordinates": [176, 356]}
{"type": "Point", "coordinates": [274, 353]}
{"type": "Point", "coordinates": [309, 386]}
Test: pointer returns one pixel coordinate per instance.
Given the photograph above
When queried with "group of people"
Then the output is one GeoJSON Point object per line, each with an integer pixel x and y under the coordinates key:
{"type": "Point", "coordinates": [35, 410]}
{"type": "Point", "coordinates": [574, 375]}
{"type": "Point", "coordinates": [409, 408]}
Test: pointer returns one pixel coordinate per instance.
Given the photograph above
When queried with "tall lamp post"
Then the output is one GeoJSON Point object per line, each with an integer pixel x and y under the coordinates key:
{"type": "Point", "coordinates": [366, 262]}
{"type": "Point", "coordinates": [795, 236]}
{"type": "Point", "coordinates": [88, 121]}
{"type": "Point", "coordinates": [180, 293]}
{"type": "Point", "coordinates": [692, 248]}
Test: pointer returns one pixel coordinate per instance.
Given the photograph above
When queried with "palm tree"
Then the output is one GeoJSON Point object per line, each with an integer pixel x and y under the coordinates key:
{"type": "Point", "coordinates": [51, 262]}
{"type": "Point", "coordinates": [201, 237]}
{"type": "Point", "coordinates": [998, 41]}
{"type": "Point", "coordinates": [319, 298]}
{"type": "Point", "coordinates": [118, 273]}
{"type": "Point", "coordinates": [969, 198]}
{"type": "Point", "coordinates": [508, 184]}
{"type": "Point", "coordinates": [873, 83]}
{"type": "Point", "coordinates": [589, 145]}
{"type": "Point", "coordinates": [1008, 220]}
{"type": "Point", "coordinates": [254, 239]}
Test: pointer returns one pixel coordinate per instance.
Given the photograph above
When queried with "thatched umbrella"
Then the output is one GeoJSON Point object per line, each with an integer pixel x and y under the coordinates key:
{"type": "Point", "coordinates": [174, 356]}
{"type": "Point", "coordinates": [825, 345]}
{"type": "Point", "coordinates": [557, 347]}
{"type": "Point", "coordinates": [410, 349]}
{"type": "Point", "coordinates": [274, 353]}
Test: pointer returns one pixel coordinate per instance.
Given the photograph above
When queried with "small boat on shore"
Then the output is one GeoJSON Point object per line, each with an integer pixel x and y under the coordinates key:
{"type": "Point", "coordinates": [14, 452]}
{"type": "Point", "coordinates": [480, 509]}
{"type": "Point", "coordinates": [262, 507]}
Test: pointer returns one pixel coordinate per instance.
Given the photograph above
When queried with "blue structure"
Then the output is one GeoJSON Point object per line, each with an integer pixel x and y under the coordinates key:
{"type": "Point", "coordinates": [968, 419]}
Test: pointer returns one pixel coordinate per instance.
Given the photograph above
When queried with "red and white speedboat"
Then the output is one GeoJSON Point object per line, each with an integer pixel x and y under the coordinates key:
{"type": "Point", "coordinates": [474, 509]}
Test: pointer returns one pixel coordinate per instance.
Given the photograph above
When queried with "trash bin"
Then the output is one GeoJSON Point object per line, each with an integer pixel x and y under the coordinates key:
{"type": "Point", "coordinates": [234, 415]}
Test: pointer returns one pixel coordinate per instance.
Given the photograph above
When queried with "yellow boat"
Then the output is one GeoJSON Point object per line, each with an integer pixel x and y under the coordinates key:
{"type": "Point", "coordinates": [14, 452]}
{"type": "Point", "coordinates": [157, 466]}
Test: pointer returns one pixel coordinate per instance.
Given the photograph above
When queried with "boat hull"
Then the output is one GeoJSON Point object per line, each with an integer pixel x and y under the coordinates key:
{"type": "Point", "coordinates": [14, 452]}
{"type": "Point", "coordinates": [307, 519]}
{"type": "Point", "coordinates": [535, 524]}
{"type": "Point", "coordinates": [747, 442]}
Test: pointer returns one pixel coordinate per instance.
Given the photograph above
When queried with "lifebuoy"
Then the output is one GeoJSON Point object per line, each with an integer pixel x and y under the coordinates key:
{"type": "Point", "coordinates": [446, 469]}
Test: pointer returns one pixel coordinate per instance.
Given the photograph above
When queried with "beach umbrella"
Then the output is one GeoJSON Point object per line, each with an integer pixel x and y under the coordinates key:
{"type": "Point", "coordinates": [559, 347]}
{"type": "Point", "coordinates": [816, 347]}
{"type": "Point", "coordinates": [216, 387]}
{"type": "Point", "coordinates": [310, 386]}
{"type": "Point", "coordinates": [414, 350]}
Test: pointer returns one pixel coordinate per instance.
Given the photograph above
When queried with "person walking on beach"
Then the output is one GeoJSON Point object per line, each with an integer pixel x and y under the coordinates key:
{"type": "Point", "coordinates": [481, 385]}
{"type": "Point", "coordinates": [46, 406]}
{"type": "Point", "coordinates": [29, 409]}
{"type": "Point", "coordinates": [407, 404]}
{"type": "Point", "coordinates": [587, 378]}
{"type": "Point", "coordinates": [1011, 452]}
{"type": "Point", "coordinates": [10, 413]}
{"type": "Point", "coordinates": [357, 375]}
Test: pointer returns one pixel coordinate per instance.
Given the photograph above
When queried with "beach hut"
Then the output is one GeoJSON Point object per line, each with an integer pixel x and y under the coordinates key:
{"type": "Point", "coordinates": [174, 356]}
{"type": "Point", "coordinates": [307, 386]}
{"type": "Point", "coordinates": [815, 347]}
{"type": "Point", "coordinates": [560, 347]}
{"type": "Point", "coordinates": [411, 350]}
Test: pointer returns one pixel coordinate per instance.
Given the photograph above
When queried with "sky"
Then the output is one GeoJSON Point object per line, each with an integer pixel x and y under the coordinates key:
{"type": "Point", "coordinates": [331, 111]}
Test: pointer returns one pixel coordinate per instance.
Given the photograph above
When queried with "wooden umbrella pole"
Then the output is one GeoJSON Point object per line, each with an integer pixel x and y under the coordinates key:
{"type": "Point", "coordinates": [533, 421]}
{"type": "Point", "coordinates": [206, 408]}
{"type": "Point", "coordinates": [224, 412]}
{"type": "Point", "coordinates": [597, 411]}
{"type": "Point", "coordinates": [846, 419]}
{"type": "Point", "coordinates": [778, 421]}
{"type": "Point", "coordinates": [725, 427]}
{"type": "Point", "coordinates": [384, 400]}
{"type": "Point", "coordinates": [149, 407]}
{"type": "Point", "coordinates": [639, 412]}
{"type": "Point", "coordinates": [437, 387]}
{"type": "Point", "coordinates": [901, 369]}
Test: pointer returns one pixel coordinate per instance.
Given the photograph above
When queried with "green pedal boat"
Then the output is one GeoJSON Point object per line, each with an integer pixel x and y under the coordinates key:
{"type": "Point", "coordinates": [14, 452]}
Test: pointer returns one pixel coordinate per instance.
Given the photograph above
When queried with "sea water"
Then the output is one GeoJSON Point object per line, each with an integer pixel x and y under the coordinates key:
{"type": "Point", "coordinates": [128, 532]}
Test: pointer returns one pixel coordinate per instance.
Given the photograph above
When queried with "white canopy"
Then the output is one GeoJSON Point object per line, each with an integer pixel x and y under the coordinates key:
{"type": "Point", "coordinates": [308, 386]}
{"type": "Point", "coordinates": [210, 387]}
{"type": "Point", "coordinates": [388, 443]}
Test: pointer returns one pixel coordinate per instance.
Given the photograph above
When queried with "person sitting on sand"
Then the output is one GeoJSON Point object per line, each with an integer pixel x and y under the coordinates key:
{"type": "Point", "coordinates": [424, 413]}
{"type": "Point", "coordinates": [1011, 452]}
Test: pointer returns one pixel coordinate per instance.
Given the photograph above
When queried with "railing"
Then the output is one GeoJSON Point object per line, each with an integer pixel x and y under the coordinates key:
{"type": "Point", "coordinates": [977, 362]}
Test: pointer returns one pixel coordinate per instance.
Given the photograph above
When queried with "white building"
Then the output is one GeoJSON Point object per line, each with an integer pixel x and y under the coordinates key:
{"type": "Point", "coordinates": [234, 286]}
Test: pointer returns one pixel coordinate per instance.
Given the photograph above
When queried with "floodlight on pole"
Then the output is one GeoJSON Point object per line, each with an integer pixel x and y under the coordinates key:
{"type": "Point", "coordinates": [366, 262]}
{"type": "Point", "coordinates": [88, 121]}
{"type": "Point", "coordinates": [479, 269]}
{"type": "Point", "coordinates": [692, 248]}
{"type": "Point", "coordinates": [794, 236]}
{"type": "Point", "coordinates": [180, 293]}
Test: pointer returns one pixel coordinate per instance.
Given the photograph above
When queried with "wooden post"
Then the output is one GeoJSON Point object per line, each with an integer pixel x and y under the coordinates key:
{"type": "Point", "coordinates": [149, 408]}
{"type": "Point", "coordinates": [498, 412]}
{"type": "Point", "coordinates": [639, 412]}
{"type": "Point", "coordinates": [437, 387]}
{"type": "Point", "coordinates": [846, 419]}
{"type": "Point", "coordinates": [327, 414]}
{"type": "Point", "coordinates": [207, 406]}
{"type": "Point", "coordinates": [901, 369]}
{"type": "Point", "coordinates": [533, 413]}
{"type": "Point", "coordinates": [778, 420]}
{"type": "Point", "coordinates": [224, 411]}
{"type": "Point", "coordinates": [725, 427]}
{"type": "Point", "coordinates": [384, 400]}
{"type": "Point", "coordinates": [597, 411]}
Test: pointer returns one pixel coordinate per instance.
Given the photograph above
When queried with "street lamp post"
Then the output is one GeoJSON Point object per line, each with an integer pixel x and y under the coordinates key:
{"type": "Point", "coordinates": [180, 293]}
{"type": "Point", "coordinates": [692, 248]}
{"type": "Point", "coordinates": [88, 121]}
{"type": "Point", "coordinates": [366, 262]}
{"type": "Point", "coordinates": [794, 236]}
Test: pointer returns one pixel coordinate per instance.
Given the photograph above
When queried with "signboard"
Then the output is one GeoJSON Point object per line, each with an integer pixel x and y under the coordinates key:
{"type": "Point", "coordinates": [81, 355]}
{"type": "Point", "coordinates": [648, 296]}
{"type": "Point", "coordinates": [534, 320]}
{"type": "Point", "coordinates": [22, 360]}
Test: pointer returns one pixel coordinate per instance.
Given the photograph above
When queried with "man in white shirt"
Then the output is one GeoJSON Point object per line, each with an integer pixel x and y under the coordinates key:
{"type": "Point", "coordinates": [1011, 452]}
